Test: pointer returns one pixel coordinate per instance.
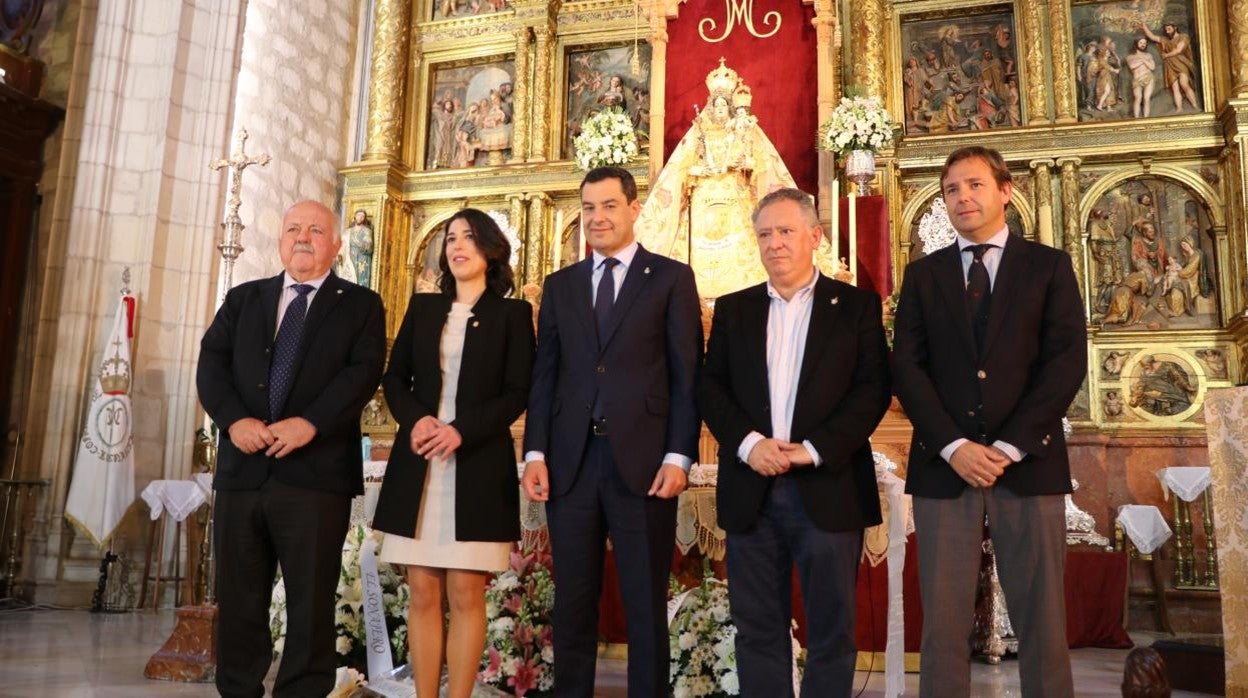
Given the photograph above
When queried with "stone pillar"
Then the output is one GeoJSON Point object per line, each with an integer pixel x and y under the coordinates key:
{"type": "Point", "coordinates": [1072, 237]}
{"type": "Point", "coordinates": [1043, 185]}
{"type": "Point", "coordinates": [541, 93]}
{"type": "Point", "coordinates": [1063, 91]}
{"type": "Point", "coordinates": [520, 130]}
{"type": "Point", "coordinates": [868, 24]}
{"type": "Point", "coordinates": [391, 19]}
{"type": "Point", "coordinates": [535, 229]}
{"type": "Point", "coordinates": [1237, 31]}
{"type": "Point", "coordinates": [827, 38]}
{"type": "Point", "coordinates": [1035, 60]}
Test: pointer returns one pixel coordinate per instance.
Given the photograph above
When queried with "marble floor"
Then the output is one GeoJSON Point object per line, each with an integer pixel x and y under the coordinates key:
{"type": "Point", "coordinates": [72, 654]}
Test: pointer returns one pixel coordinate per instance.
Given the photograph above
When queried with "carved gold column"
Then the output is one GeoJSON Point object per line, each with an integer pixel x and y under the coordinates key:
{"type": "Point", "coordinates": [1237, 31]}
{"type": "Point", "coordinates": [1072, 239]}
{"type": "Point", "coordinates": [658, 84]}
{"type": "Point", "coordinates": [387, 79]}
{"type": "Point", "coordinates": [541, 92]}
{"type": "Point", "coordinates": [520, 127]}
{"type": "Point", "coordinates": [515, 203]}
{"type": "Point", "coordinates": [1033, 57]}
{"type": "Point", "coordinates": [868, 23]}
{"type": "Point", "coordinates": [1060, 46]}
{"type": "Point", "coordinates": [828, 66]}
{"type": "Point", "coordinates": [535, 238]}
{"type": "Point", "coordinates": [1043, 185]}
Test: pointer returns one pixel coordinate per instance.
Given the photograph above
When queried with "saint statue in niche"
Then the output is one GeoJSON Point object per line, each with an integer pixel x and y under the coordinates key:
{"type": "Point", "coordinates": [699, 208]}
{"type": "Point", "coordinates": [355, 258]}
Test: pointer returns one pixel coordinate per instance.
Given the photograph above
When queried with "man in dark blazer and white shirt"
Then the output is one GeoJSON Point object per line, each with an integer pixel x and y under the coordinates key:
{"type": "Point", "coordinates": [285, 369]}
{"type": "Point", "coordinates": [611, 430]}
{"type": "Point", "coordinates": [989, 350]}
{"type": "Point", "coordinates": [796, 379]}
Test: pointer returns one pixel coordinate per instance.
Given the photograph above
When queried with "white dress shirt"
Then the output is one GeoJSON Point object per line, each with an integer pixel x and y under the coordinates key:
{"type": "Point", "coordinates": [289, 294]}
{"type": "Point", "coordinates": [625, 259]}
{"type": "Point", "coordinates": [991, 261]}
{"type": "Point", "coordinates": [787, 325]}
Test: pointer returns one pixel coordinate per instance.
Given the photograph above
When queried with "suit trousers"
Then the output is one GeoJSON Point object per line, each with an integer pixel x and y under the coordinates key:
{"type": "Point", "coordinates": [1029, 541]}
{"type": "Point", "coordinates": [760, 574]}
{"type": "Point", "coordinates": [643, 535]}
{"type": "Point", "coordinates": [255, 531]}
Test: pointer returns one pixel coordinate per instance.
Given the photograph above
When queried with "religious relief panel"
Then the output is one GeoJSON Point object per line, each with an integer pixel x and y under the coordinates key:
{"type": "Point", "coordinates": [601, 78]}
{"type": "Point", "coordinates": [1152, 256]}
{"type": "Point", "coordinates": [1158, 385]}
{"type": "Point", "coordinates": [451, 9]}
{"type": "Point", "coordinates": [1135, 59]}
{"type": "Point", "coordinates": [960, 72]}
{"type": "Point", "coordinates": [471, 114]}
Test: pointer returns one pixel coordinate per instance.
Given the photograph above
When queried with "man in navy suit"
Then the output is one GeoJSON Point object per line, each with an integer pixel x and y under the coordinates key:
{"type": "Point", "coordinates": [285, 370]}
{"type": "Point", "coordinates": [611, 431]}
{"type": "Point", "coordinates": [796, 379]}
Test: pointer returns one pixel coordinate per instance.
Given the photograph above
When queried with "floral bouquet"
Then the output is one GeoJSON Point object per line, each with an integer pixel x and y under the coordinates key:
{"type": "Point", "coordinates": [703, 641]}
{"type": "Point", "coordinates": [858, 123]}
{"type": "Point", "coordinates": [606, 138]}
{"type": "Point", "coordinates": [519, 656]}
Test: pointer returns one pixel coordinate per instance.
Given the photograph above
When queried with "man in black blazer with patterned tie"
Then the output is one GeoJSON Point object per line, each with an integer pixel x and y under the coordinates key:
{"type": "Point", "coordinates": [796, 379]}
{"type": "Point", "coordinates": [285, 370]}
{"type": "Point", "coordinates": [611, 430]}
{"type": "Point", "coordinates": [990, 348]}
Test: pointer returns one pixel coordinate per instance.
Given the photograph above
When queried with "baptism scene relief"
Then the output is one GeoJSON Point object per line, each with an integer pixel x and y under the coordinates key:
{"type": "Point", "coordinates": [471, 115]}
{"type": "Point", "coordinates": [1152, 253]}
{"type": "Point", "coordinates": [1136, 59]}
{"type": "Point", "coordinates": [601, 78]}
{"type": "Point", "coordinates": [960, 73]}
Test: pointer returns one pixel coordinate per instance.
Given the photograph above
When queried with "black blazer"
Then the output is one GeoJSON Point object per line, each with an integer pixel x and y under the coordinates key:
{"type": "Point", "coordinates": [338, 366]}
{"type": "Point", "coordinates": [493, 383]}
{"type": "Point", "coordinates": [842, 393]}
{"type": "Point", "coordinates": [647, 369]}
{"type": "Point", "coordinates": [1034, 360]}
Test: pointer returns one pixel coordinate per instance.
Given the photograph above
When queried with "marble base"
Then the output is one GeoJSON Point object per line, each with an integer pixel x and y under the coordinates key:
{"type": "Point", "coordinates": [190, 653]}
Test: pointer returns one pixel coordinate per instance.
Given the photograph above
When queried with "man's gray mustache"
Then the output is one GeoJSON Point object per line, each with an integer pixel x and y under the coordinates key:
{"type": "Point", "coordinates": [302, 247]}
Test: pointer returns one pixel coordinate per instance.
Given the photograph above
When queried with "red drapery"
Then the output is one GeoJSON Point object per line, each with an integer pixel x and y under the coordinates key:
{"type": "Point", "coordinates": [874, 253]}
{"type": "Point", "coordinates": [780, 70]}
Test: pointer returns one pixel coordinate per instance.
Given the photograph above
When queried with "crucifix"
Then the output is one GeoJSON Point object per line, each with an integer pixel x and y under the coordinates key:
{"type": "Point", "coordinates": [231, 246]}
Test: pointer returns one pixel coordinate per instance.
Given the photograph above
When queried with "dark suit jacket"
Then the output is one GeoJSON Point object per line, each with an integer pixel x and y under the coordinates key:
{"type": "Point", "coordinates": [338, 366]}
{"type": "Point", "coordinates": [646, 369]}
{"type": "Point", "coordinates": [494, 373]}
{"type": "Point", "coordinates": [842, 393]}
{"type": "Point", "coordinates": [1017, 390]}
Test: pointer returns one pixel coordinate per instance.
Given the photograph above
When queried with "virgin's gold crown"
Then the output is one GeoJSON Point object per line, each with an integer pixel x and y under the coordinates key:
{"type": "Point", "coordinates": [742, 96]}
{"type": "Point", "coordinates": [722, 81]}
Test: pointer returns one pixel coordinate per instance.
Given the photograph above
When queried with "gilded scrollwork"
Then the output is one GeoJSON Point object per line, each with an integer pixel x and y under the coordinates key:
{"type": "Point", "coordinates": [869, 19]}
{"type": "Point", "coordinates": [389, 74]}
{"type": "Point", "coordinates": [1033, 56]}
{"type": "Point", "coordinates": [1063, 91]}
{"type": "Point", "coordinates": [541, 94]}
{"type": "Point", "coordinates": [1043, 186]}
{"type": "Point", "coordinates": [520, 133]}
{"type": "Point", "coordinates": [1072, 241]}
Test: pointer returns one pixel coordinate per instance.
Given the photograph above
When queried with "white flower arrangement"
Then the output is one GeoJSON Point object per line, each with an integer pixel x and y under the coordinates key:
{"type": "Point", "coordinates": [858, 123]}
{"type": "Point", "coordinates": [606, 138]}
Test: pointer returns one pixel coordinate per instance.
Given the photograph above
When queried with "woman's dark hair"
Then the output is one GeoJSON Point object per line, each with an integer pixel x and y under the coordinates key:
{"type": "Point", "coordinates": [489, 239]}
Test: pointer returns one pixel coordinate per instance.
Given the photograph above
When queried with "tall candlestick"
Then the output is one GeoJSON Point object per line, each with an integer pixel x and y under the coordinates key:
{"type": "Point", "coordinates": [836, 224]}
{"type": "Point", "coordinates": [557, 241]}
{"type": "Point", "coordinates": [853, 235]}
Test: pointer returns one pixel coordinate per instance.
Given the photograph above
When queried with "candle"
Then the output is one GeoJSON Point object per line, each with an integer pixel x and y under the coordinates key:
{"type": "Point", "coordinates": [836, 224]}
{"type": "Point", "coordinates": [558, 241]}
{"type": "Point", "coordinates": [853, 236]}
{"type": "Point", "coordinates": [580, 237]}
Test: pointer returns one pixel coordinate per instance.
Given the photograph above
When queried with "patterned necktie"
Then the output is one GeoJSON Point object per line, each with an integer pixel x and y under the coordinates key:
{"type": "Point", "coordinates": [978, 292]}
{"type": "Point", "coordinates": [604, 302]}
{"type": "Point", "coordinates": [285, 347]}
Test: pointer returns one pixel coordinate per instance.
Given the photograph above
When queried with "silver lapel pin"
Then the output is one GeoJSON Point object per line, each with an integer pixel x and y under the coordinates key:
{"type": "Point", "coordinates": [835, 300]}
{"type": "Point", "coordinates": [646, 270]}
{"type": "Point", "coordinates": [339, 291]}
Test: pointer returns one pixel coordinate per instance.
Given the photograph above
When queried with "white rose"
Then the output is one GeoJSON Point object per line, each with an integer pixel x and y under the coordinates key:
{"type": "Point", "coordinates": [730, 683]}
{"type": "Point", "coordinates": [343, 645]}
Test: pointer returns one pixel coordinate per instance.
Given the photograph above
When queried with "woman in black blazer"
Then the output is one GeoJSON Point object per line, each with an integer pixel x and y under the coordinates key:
{"type": "Point", "coordinates": [450, 502]}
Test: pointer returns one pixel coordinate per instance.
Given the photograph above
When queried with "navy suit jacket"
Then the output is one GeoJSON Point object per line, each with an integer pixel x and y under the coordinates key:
{"type": "Point", "coordinates": [646, 369]}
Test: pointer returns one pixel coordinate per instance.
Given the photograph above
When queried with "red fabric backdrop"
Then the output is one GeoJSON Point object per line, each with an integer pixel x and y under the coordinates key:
{"type": "Point", "coordinates": [780, 71]}
{"type": "Point", "coordinates": [874, 253]}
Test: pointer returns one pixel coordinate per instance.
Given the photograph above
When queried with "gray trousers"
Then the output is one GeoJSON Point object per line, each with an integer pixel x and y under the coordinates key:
{"type": "Point", "coordinates": [1029, 539]}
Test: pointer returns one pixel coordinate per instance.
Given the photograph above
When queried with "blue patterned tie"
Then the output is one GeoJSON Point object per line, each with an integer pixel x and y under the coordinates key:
{"type": "Point", "coordinates": [285, 347]}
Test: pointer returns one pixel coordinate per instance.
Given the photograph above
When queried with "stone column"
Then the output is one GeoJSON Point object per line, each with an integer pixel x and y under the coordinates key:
{"type": "Point", "coordinates": [868, 23]}
{"type": "Point", "coordinates": [828, 63]}
{"type": "Point", "coordinates": [520, 130]}
{"type": "Point", "coordinates": [1035, 60]}
{"type": "Point", "coordinates": [1063, 91]}
{"type": "Point", "coordinates": [1237, 31]}
{"type": "Point", "coordinates": [534, 238]}
{"type": "Point", "coordinates": [1043, 185]}
{"type": "Point", "coordinates": [1072, 237]}
{"type": "Point", "coordinates": [388, 78]}
{"type": "Point", "coordinates": [541, 93]}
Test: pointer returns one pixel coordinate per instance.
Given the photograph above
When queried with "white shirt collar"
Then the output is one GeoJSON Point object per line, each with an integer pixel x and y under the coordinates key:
{"type": "Point", "coordinates": [624, 256]}
{"type": "Point", "coordinates": [802, 293]}
{"type": "Point", "coordinates": [288, 281]}
{"type": "Point", "coordinates": [999, 239]}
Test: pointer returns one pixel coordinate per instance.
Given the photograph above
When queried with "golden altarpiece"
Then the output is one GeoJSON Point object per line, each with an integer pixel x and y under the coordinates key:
{"type": "Point", "coordinates": [1125, 124]}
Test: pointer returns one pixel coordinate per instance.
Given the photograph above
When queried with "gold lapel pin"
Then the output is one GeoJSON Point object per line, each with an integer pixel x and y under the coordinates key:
{"type": "Point", "coordinates": [835, 300]}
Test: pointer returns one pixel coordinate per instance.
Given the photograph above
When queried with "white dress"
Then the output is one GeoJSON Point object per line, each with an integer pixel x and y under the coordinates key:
{"type": "Point", "coordinates": [435, 544]}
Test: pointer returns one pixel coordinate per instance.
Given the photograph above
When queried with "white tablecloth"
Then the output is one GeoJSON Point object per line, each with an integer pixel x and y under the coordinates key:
{"type": "Point", "coordinates": [1144, 525]}
{"type": "Point", "coordinates": [180, 497]}
{"type": "Point", "coordinates": [1186, 483]}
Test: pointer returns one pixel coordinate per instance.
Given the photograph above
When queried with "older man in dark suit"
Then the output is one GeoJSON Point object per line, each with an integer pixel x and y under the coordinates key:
{"type": "Point", "coordinates": [285, 369]}
{"type": "Point", "coordinates": [612, 427]}
{"type": "Point", "coordinates": [990, 349]}
{"type": "Point", "coordinates": [796, 379]}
